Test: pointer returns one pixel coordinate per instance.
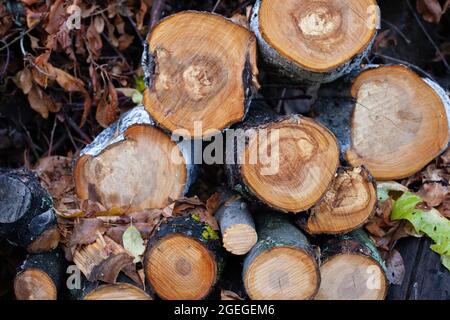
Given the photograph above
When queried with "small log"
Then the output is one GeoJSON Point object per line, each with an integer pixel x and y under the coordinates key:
{"type": "Point", "coordinates": [27, 217]}
{"type": "Point", "coordinates": [183, 260]}
{"type": "Point", "coordinates": [346, 206]}
{"type": "Point", "coordinates": [195, 63]}
{"type": "Point", "coordinates": [286, 162]}
{"type": "Point", "coordinates": [236, 223]}
{"type": "Point", "coordinates": [134, 166]}
{"type": "Point", "coordinates": [97, 290]}
{"type": "Point", "coordinates": [41, 276]}
{"type": "Point", "coordinates": [395, 123]}
{"type": "Point", "coordinates": [352, 269]}
{"type": "Point", "coordinates": [282, 265]}
{"type": "Point", "coordinates": [314, 41]}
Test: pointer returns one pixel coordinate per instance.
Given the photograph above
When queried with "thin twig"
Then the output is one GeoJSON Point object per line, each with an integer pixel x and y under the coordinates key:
{"type": "Point", "coordinates": [49, 153]}
{"type": "Point", "coordinates": [215, 6]}
{"type": "Point", "coordinates": [406, 63]}
{"type": "Point", "coordinates": [6, 63]}
{"type": "Point", "coordinates": [22, 34]}
{"type": "Point", "coordinates": [156, 12]}
{"type": "Point", "coordinates": [430, 39]}
{"type": "Point", "coordinates": [396, 29]}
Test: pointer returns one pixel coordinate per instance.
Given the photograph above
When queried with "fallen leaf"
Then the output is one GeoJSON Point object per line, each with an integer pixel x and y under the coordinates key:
{"type": "Point", "coordinates": [431, 10]}
{"type": "Point", "coordinates": [86, 231]}
{"type": "Point", "coordinates": [229, 295]}
{"type": "Point", "coordinates": [133, 242]}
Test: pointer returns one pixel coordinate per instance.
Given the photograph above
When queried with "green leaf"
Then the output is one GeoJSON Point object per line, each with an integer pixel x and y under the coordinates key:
{"type": "Point", "coordinates": [133, 242]}
{"type": "Point", "coordinates": [140, 84]}
{"type": "Point", "coordinates": [134, 94]}
{"type": "Point", "coordinates": [432, 223]}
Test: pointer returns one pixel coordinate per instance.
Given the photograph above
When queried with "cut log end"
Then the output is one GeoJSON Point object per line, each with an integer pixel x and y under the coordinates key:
{"type": "Point", "coordinates": [351, 276]}
{"type": "Point", "coordinates": [318, 35]}
{"type": "Point", "coordinates": [202, 62]}
{"type": "Point", "coordinates": [144, 170]}
{"type": "Point", "coordinates": [47, 241]}
{"type": "Point", "coordinates": [239, 238]}
{"type": "Point", "coordinates": [282, 273]}
{"type": "Point", "coordinates": [34, 284]}
{"type": "Point", "coordinates": [118, 291]}
{"type": "Point", "coordinates": [304, 157]}
{"type": "Point", "coordinates": [349, 203]}
{"type": "Point", "coordinates": [179, 267]}
{"type": "Point", "coordinates": [405, 119]}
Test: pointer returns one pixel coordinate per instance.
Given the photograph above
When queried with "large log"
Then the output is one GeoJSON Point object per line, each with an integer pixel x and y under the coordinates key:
{"type": "Point", "coordinates": [195, 64]}
{"type": "Point", "coordinates": [286, 162]}
{"type": "Point", "coordinates": [314, 41]}
{"type": "Point", "coordinates": [393, 121]}
{"type": "Point", "coordinates": [134, 166]}
{"type": "Point", "coordinates": [27, 217]}
{"type": "Point", "coordinates": [347, 205]}
{"type": "Point", "coordinates": [41, 276]}
{"type": "Point", "coordinates": [183, 259]}
{"type": "Point", "coordinates": [236, 223]}
{"type": "Point", "coordinates": [352, 269]}
{"type": "Point", "coordinates": [282, 265]}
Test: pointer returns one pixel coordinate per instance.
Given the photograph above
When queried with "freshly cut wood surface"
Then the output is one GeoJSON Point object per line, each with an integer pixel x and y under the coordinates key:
{"type": "Point", "coordinates": [117, 291]}
{"type": "Point", "coordinates": [314, 41]}
{"type": "Point", "coordinates": [318, 35]}
{"type": "Point", "coordinates": [399, 122]}
{"type": "Point", "coordinates": [183, 259]}
{"type": "Point", "coordinates": [236, 223]}
{"type": "Point", "coordinates": [181, 268]}
{"type": "Point", "coordinates": [34, 284]}
{"type": "Point", "coordinates": [201, 68]}
{"type": "Point", "coordinates": [352, 269]}
{"type": "Point", "coordinates": [349, 203]}
{"type": "Point", "coordinates": [41, 276]}
{"type": "Point", "coordinates": [282, 265]}
{"type": "Point", "coordinates": [139, 172]}
{"type": "Point", "coordinates": [348, 277]}
{"type": "Point", "coordinates": [307, 156]}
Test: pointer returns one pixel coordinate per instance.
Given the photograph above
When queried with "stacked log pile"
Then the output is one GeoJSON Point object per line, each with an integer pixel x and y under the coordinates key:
{"type": "Point", "coordinates": [138, 236]}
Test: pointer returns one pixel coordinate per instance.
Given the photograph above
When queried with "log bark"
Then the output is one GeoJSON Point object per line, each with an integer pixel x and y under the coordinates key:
{"type": "Point", "coordinates": [194, 64]}
{"type": "Point", "coordinates": [285, 162]}
{"type": "Point", "coordinates": [347, 205]}
{"type": "Point", "coordinates": [41, 276]}
{"type": "Point", "coordinates": [236, 223]}
{"type": "Point", "coordinates": [282, 265]}
{"type": "Point", "coordinates": [183, 259]}
{"type": "Point", "coordinates": [129, 161]}
{"type": "Point", "coordinates": [390, 120]}
{"type": "Point", "coordinates": [314, 42]}
{"type": "Point", "coordinates": [27, 217]}
{"type": "Point", "coordinates": [352, 269]}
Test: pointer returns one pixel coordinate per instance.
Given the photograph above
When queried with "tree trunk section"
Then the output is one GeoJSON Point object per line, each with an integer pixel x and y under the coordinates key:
{"type": "Point", "coordinates": [285, 162]}
{"type": "Point", "coordinates": [41, 276]}
{"type": "Point", "coordinates": [393, 122]}
{"type": "Point", "coordinates": [315, 42]}
{"type": "Point", "coordinates": [347, 205]}
{"type": "Point", "coordinates": [129, 161]}
{"type": "Point", "coordinates": [27, 217]}
{"type": "Point", "coordinates": [183, 260]}
{"type": "Point", "coordinates": [352, 269]}
{"type": "Point", "coordinates": [236, 223]}
{"type": "Point", "coordinates": [194, 63]}
{"type": "Point", "coordinates": [282, 265]}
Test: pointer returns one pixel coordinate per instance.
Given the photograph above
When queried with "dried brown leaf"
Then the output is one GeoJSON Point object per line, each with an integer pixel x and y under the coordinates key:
{"type": "Point", "coordinates": [86, 231]}
{"type": "Point", "coordinates": [430, 10]}
{"type": "Point", "coordinates": [395, 268]}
